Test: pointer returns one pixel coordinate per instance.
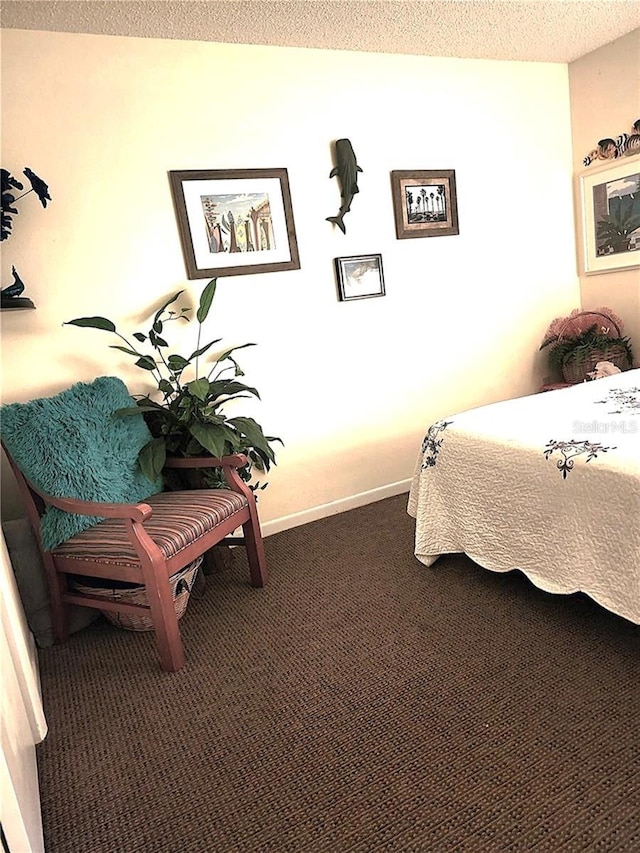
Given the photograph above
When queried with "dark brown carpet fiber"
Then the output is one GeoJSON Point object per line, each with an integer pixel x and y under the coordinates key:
{"type": "Point", "coordinates": [360, 702]}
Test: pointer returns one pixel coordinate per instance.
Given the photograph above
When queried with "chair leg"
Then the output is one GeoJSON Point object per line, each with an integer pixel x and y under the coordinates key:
{"type": "Point", "coordinates": [165, 624]}
{"type": "Point", "coordinates": [59, 612]}
{"type": "Point", "coordinates": [57, 583]}
{"type": "Point", "coordinates": [255, 552]}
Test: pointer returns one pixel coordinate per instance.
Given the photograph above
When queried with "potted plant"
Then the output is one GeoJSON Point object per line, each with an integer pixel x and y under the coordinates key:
{"type": "Point", "coordinates": [186, 416]}
{"type": "Point", "coordinates": [584, 338]}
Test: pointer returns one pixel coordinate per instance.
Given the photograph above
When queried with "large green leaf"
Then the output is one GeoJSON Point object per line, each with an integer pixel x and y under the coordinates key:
{"type": "Point", "coordinates": [92, 323]}
{"type": "Point", "coordinates": [156, 340]}
{"type": "Point", "coordinates": [260, 459]}
{"type": "Point", "coordinates": [228, 352]}
{"type": "Point", "coordinates": [229, 388]}
{"type": "Point", "coordinates": [231, 437]}
{"type": "Point", "coordinates": [208, 415]}
{"type": "Point", "coordinates": [218, 404]}
{"type": "Point", "coordinates": [146, 363]}
{"type": "Point", "coordinates": [238, 371]}
{"type": "Point", "coordinates": [228, 440]}
{"type": "Point", "coordinates": [169, 301]}
{"type": "Point", "coordinates": [253, 431]}
{"type": "Point", "coordinates": [131, 411]}
{"type": "Point", "coordinates": [203, 349]}
{"type": "Point", "coordinates": [205, 301]}
{"type": "Point", "coordinates": [210, 437]}
{"type": "Point", "coordinates": [145, 401]}
{"type": "Point", "coordinates": [199, 388]}
{"type": "Point", "coordinates": [177, 363]}
{"type": "Point", "coordinates": [152, 458]}
{"type": "Point", "coordinates": [124, 349]}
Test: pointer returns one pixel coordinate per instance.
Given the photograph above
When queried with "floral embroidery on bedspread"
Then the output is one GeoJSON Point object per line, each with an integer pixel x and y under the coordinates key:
{"type": "Point", "coordinates": [627, 400]}
{"type": "Point", "coordinates": [432, 444]}
{"type": "Point", "coordinates": [571, 449]}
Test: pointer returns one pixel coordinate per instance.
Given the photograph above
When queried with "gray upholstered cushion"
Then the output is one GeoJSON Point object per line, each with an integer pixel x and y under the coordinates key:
{"type": "Point", "coordinates": [32, 584]}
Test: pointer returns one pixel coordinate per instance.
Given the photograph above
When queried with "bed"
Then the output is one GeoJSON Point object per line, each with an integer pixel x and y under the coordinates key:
{"type": "Point", "coordinates": [548, 484]}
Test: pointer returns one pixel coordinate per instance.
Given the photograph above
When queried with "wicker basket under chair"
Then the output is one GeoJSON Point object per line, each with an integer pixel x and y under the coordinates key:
{"type": "Point", "coordinates": [181, 585]}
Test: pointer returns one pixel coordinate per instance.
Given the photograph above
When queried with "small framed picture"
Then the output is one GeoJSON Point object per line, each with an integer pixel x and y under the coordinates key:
{"type": "Point", "coordinates": [425, 203]}
{"type": "Point", "coordinates": [611, 216]}
{"type": "Point", "coordinates": [359, 277]}
{"type": "Point", "coordinates": [235, 221]}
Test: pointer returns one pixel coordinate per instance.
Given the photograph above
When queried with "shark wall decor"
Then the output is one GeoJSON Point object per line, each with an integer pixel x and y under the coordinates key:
{"type": "Point", "coordinates": [346, 170]}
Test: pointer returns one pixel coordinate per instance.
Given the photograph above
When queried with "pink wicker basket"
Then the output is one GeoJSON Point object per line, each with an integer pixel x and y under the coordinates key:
{"type": "Point", "coordinates": [578, 366]}
{"type": "Point", "coordinates": [574, 370]}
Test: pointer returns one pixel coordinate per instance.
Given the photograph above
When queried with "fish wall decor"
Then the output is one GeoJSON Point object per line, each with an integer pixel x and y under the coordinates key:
{"type": "Point", "coordinates": [624, 145]}
{"type": "Point", "coordinates": [346, 170]}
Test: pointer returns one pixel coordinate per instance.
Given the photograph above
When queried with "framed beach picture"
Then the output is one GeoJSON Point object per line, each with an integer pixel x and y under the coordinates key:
{"type": "Point", "coordinates": [235, 221]}
{"type": "Point", "coordinates": [611, 216]}
{"type": "Point", "coordinates": [425, 203]}
{"type": "Point", "coordinates": [359, 277]}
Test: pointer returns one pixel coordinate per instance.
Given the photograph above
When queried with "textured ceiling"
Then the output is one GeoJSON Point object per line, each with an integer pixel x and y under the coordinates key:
{"type": "Point", "coordinates": [556, 31]}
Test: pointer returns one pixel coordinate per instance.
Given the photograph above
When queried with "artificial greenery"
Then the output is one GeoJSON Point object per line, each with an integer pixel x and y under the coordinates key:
{"type": "Point", "coordinates": [579, 347]}
{"type": "Point", "coordinates": [11, 296]}
{"type": "Point", "coordinates": [188, 418]}
{"type": "Point", "coordinates": [7, 185]}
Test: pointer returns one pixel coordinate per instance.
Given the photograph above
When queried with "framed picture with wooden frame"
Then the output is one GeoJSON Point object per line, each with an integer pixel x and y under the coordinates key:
{"type": "Point", "coordinates": [611, 216]}
{"type": "Point", "coordinates": [235, 221]}
{"type": "Point", "coordinates": [425, 203]}
{"type": "Point", "coordinates": [359, 277]}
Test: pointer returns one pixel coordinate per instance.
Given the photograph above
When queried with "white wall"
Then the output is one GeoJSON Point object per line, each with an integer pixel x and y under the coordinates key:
{"type": "Point", "coordinates": [605, 101]}
{"type": "Point", "coordinates": [350, 387]}
{"type": "Point", "coordinates": [22, 722]}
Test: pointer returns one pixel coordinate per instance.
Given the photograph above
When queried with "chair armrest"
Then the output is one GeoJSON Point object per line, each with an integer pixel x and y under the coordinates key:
{"type": "Point", "coordinates": [238, 460]}
{"type": "Point", "coordinates": [229, 465]}
{"type": "Point", "coordinates": [36, 499]}
{"type": "Point", "coordinates": [137, 512]}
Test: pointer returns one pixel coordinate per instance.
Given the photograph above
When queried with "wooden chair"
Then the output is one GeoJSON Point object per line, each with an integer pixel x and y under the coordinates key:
{"type": "Point", "coordinates": [146, 543]}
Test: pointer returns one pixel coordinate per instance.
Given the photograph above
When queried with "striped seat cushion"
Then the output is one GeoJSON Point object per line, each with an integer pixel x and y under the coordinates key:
{"type": "Point", "coordinates": [178, 519]}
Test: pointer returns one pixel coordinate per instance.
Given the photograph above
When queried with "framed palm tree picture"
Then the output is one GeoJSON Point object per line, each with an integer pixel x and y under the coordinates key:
{"type": "Point", "coordinates": [611, 216]}
{"type": "Point", "coordinates": [425, 203]}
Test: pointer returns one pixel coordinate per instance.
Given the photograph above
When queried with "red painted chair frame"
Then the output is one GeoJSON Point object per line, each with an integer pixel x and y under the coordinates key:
{"type": "Point", "coordinates": [154, 571]}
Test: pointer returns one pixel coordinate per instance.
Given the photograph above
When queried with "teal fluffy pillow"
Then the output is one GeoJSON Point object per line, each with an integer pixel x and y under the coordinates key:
{"type": "Point", "coordinates": [72, 445]}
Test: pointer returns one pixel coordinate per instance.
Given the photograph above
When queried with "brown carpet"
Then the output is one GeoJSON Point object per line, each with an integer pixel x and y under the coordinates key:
{"type": "Point", "coordinates": [361, 702]}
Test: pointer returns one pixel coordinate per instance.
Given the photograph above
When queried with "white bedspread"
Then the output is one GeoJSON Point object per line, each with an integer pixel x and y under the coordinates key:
{"type": "Point", "coordinates": [548, 484]}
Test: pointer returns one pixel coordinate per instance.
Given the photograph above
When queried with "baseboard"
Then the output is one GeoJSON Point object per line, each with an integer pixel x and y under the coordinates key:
{"type": "Point", "coordinates": [334, 507]}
